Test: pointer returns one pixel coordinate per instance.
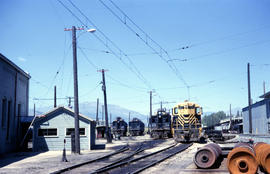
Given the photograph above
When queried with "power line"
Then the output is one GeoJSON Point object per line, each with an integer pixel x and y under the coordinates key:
{"type": "Point", "coordinates": [86, 57]}
{"type": "Point", "coordinates": [90, 91]}
{"type": "Point", "coordinates": [227, 50]}
{"type": "Point", "coordinates": [131, 66]}
{"type": "Point", "coordinates": [153, 45]}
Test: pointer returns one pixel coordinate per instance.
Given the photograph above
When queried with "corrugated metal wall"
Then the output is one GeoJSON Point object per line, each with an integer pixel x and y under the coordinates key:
{"type": "Point", "coordinates": [259, 120]}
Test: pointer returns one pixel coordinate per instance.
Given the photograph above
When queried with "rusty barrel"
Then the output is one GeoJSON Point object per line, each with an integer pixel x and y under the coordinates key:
{"type": "Point", "coordinates": [262, 151]}
{"type": "Point", "coordinates": [242, 159]}
{"type": "Point", "coordinates": [208, 156]}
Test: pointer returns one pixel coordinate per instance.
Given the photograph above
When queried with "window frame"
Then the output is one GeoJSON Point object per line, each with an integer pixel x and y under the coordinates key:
{"type": "Point", "coordinates": [47, 132]}
{"type": "Point", "coordinates": [4, 113]}
{"type": "Point", "coordinates": [8, 121]}
{"type": "Point", "coordinates": [74, 131]}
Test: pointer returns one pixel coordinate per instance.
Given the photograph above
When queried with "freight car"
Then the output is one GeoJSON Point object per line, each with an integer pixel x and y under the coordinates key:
{"type": "Point", "coordinates": [187, 122]}
{"type": "Point", "coordinates": [136, 127]}
{"type": "Point", "coordinates": [119, 127]}
{"type": "Point", "coordinates": [160, 124]}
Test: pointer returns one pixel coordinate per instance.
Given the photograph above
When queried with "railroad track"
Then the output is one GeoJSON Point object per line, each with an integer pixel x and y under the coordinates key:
{"type": "Point", "coordinates": [128, 157]}
{"type": "Point", "coordinates": [144, 161]}
{"type": "Point", "coordinates": [118, 156]}
{"type": "Point", "coordinates": [121, 150]}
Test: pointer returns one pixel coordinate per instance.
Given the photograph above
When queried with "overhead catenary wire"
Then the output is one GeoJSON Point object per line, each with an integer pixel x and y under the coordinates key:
{"type": "Point", "coordinates": [153, 45]}
{"type": "Point", "coordinates": [109, 76]}
{"type": "Point", "coordinates": [130, 65]}
{"type": "Point", "coordinates": [227, 50]}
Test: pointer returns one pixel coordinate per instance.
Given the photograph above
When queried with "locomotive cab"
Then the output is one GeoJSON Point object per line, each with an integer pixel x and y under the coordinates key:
{"type": "Point", "coordinates": [160, 124]}
{"type": "Point", "coordinates": [187, 122]}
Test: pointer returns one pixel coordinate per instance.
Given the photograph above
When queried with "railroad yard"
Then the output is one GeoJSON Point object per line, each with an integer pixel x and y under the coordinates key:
{"type": "Point", "coordinates": [127, 149]}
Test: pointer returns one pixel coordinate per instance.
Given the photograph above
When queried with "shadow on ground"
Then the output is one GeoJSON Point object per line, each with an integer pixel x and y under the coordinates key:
{"type": "Point", "coordinates": [7, 159]}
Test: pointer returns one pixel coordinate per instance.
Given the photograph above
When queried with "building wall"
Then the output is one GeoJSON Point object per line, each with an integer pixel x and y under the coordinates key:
{"type": "Point", "coordinates": [260, 119]}
{"type": "Point", "coordinates": [14, 88]}
{"type": "Point", "coordinates": [61, 121]}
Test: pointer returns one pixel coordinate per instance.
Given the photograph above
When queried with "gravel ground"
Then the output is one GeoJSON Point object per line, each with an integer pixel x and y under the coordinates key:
{"type": "Point", "coordinates": [47, 162]}
{"type": "Point", "coordinates": [183, 163]}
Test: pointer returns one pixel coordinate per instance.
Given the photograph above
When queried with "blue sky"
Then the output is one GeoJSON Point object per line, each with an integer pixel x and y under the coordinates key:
{"type": "Point", "coordinates": [221, 36]}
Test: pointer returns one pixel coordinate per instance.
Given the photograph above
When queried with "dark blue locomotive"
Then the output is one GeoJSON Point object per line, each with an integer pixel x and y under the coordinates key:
{"type": "Point", "coordinates": [136, 127]}
{"type": "Point", "coordinates": [119, 127]}
{"type": "Point", "coordinates": [160, 124]}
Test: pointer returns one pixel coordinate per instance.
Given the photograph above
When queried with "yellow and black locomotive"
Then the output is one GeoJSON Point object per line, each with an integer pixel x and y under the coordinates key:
{"type": "Point", "coordinates": [187, 122]}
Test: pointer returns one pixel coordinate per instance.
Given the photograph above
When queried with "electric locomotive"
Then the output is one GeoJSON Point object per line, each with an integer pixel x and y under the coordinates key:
{"type": "Point", "coordinates": [160, 124]}
{"type": "Point", "coordinates": [136, 127]}
{"type": "Point", "coordinates": [187, 122]}
{"type": "Point", "coordinates": [119, 127]}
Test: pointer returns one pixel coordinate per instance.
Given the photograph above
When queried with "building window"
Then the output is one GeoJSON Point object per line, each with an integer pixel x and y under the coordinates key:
{"type": "Point", "coordinates": [8, 119]}
{"type": "Point", "coordinates": [19, 110]}
{"type": "Point", "coordinates": [47, 132]}
{"type": "Point", "coordinates": [4, 113]}
{"type": "Point", "coordinates": [70, 130]}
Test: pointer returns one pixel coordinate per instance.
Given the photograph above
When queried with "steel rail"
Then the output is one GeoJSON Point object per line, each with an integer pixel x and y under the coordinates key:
{"type": "Point", "coordinates": [123, 149]}
{"type": "Point", "coordinates": [139, 150]}
{"type": "Point", "coordinates": [184, 147]}
{"type": "Point", "coordinates": [132, 160]}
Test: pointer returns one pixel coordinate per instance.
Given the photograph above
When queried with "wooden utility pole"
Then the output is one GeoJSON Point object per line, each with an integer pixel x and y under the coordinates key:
{"type": "Point", "coordinates": [97, 110]}
{"type": "Point", "coordinates": [108, 132]}
{"type": "Point", "coordinates": [69, 102]}
{"type": "Point", "coordinates": [110, 119]}
{"type": "Point", "coordinates": [76, 98]}
{"type": "Point", "coordinates": [34, 109]}
{"type": "Point", "coordinates": [54, 96]}
{"type": "Point", "coordinates": [263, 87]}
{"type": "Point", "coordinates": [150, 114]}
{"type": "Point", "coordinates": [102, 113]}
{"type": "Point", "coordinates": [249, 101]}
{"type": "Point", "coordinates": [128, 122]}
{"type": "Point", "coordinates": [230, 117]}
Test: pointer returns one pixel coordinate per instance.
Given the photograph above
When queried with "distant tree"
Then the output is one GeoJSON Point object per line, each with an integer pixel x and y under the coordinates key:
{"type": "Point", "coordinates": [213, 119]}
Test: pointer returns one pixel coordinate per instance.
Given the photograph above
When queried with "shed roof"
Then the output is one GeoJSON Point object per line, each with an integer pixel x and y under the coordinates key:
{"type": "Point", "coordinates": [27, 119]}
{"type": "Point", "coordinates": [63, 109]}
{"type": "Point", "coordinates": [266, 95]}
{"type": "Point", "coordinates": [14, 66]}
